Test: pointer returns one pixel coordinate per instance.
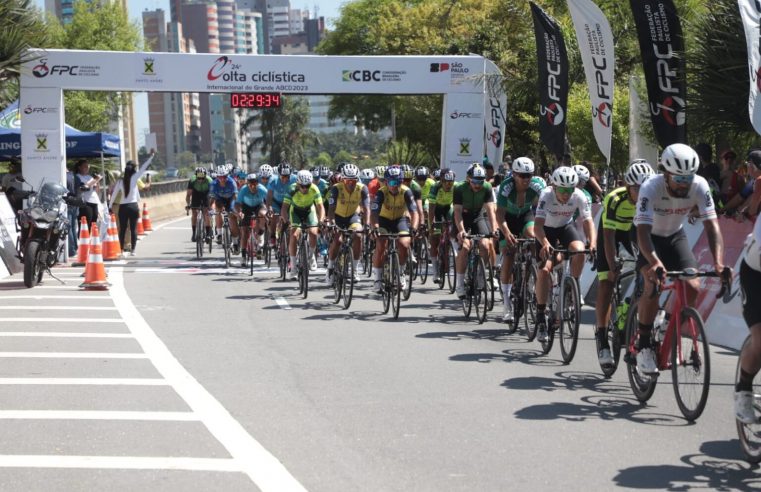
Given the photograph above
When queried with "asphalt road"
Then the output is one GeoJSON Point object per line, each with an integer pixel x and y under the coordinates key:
{"type": "Point", "coordinates": [187, 376]}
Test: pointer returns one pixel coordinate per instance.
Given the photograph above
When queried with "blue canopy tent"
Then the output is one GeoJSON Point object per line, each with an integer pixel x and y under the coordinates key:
{"type": "Point", "coordinates": [78, 143]}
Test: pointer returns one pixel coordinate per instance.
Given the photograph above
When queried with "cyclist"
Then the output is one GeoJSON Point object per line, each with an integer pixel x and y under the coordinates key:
{"type": "Point", "coordinates": [393, 211]}
{"type": "Point", "coordinates": [489, 168]}
{"type": "Point", "coordinates": [322, 185]}
{"type": "Point", "coordinates": [554, 224]}
{"type": "Point", "coordinates": [583, 173]}
{"type": "Point", "coordinates": [303, 205]}
{"type": "Point", "coordinates": [346, 198]}
{"type": "Point", "coordinates": [240, 178]}
{"type": "Point", "coordinates": [251, 203]}
{"type": "Point", "coordinates": [378, 182]}
{"type": "Point", "coordinates": [366, 176]}
{"type": "Point", "coordinates": [662, 207]}
{"type": "Point", "coordinates": [473, 213]}
{"type": "Point", "coordinates": [277, 189]}
{"type": "Point", "coordinates": [197, 196]}
{"type": "Point", "coordinates": [516, 198]}
{"type": "Point", "coordinates": [265, 172]}
{"type": "Point", "coordinates": [325, 173]}
{"type": "Point", "coordinates": [440, 197]}
{"type": "Point", "coordinates": [750, 275]}
{"type": "Point", "coordinates": [335, 177]}
{"type": "Point", "coordinates": [222, 194]}
{"type": "Point", "coordinates": [615, 230]}
{"type": "Point", "coordinates": [417, 191]}
{"type": "Point", "coordinates": [436, 174]}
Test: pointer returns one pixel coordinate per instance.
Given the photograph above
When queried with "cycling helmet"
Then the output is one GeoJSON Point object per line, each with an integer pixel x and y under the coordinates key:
{"type": "Point", "coordinates": [393, 172]}
{"type": "Point", "coordinates": [478, 172]}
{"type": "Point", "coordinates": [265, 170]}
{"type": "Point", "coordinates": [222, 171]}
{"type": "Point", "coordinates": [638, 161]}
{"type": "Point", "coordinates": [284, 169]}
{"type": "Point", "coordinates": [447, 175]}
{"type": "Point", "coordinates": [680, 159]}
{"type": "Point", "coordinates": [582, 172]}
{"type": "Point", "coordinates": [241, 174]}
{"type": "Point", "coordinates": [407, 171]}
{"type": "Point", "coordinates": [200, 170]}
{"type": "Point", "coordinates": [565, 176]}
{"type": "Point", "coordinates": [252, 177]}
{"type": "Point", "coordinates": [638, 172]}
{"type": "Point", "coordinates": [213, 175]}
{"type": "Point", "coordinates": [472, 166]}
{"type": "Point", "coordinates": [325, 172]}
{"type": "Point", "coordinates": [523, 165]}
{"type": "Point", "coordinates": [315, 173]}
{"type": "Point", "coordinates": [380, 171]}
{"type": "Point", "coordinates": [421, 172]}
{"type": "Point", "coordinates": [350, 171]}
{"type": "Point", "coordinates": [304, 177]}
{"type": "Point", "coordinates": [367, 174]}
{"type": "Point", "coordinates": [437, 173]}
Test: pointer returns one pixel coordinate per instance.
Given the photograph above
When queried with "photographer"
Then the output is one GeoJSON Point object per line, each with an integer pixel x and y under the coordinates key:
{"type": "Point", "coordinates": [88, 188]}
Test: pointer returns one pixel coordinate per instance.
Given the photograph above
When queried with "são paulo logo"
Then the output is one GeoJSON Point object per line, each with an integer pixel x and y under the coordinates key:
{"type": "Point", "coordinates": [554, 113]}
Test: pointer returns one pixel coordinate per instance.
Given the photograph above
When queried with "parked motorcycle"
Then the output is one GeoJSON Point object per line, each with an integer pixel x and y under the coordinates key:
{"type": "Point", "coordinates": [43, 229]}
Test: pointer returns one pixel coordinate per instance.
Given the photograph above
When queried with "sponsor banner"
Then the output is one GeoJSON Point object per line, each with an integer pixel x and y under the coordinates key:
{"type": "Point", "coordinates": [662, 47]}
{"type": "Point", "coordinates": [553, 80]}
{"type": "Point", "coordinates": [596, 46]}
{"type": "Point", "coordinates": [290, 74]}
{"type": "Point", "coordinates": [750, 11]}
{"type": "Point", "coordinates": [42, 136]}
{"type": "Point", "coordinates": [495, 118]}
{"type": "Point", "coordinates": [462, 136]}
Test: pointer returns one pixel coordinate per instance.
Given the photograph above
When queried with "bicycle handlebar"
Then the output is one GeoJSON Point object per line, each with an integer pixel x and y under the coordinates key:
{"type": "Point", "coordinates": [689, 273]}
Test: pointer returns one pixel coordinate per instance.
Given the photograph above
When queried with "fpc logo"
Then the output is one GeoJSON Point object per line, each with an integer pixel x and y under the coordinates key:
{"type": "Point", "coordinates": [439, 67]}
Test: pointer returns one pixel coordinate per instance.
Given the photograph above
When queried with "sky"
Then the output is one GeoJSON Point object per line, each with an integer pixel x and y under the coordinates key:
{"type": "Point", "coordinates": [327, 8]}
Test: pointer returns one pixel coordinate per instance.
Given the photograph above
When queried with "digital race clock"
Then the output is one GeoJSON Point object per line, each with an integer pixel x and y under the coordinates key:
{"type": "Point", "coordinates": [255, 100]}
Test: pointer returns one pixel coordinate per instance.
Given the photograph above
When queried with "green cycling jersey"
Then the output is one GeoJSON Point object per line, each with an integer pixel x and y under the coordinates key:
{"type": "Point", "coordinates": [508, 196]}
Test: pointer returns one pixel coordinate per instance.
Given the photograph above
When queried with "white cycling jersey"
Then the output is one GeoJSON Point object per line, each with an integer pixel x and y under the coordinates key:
{"type": "Point", "coordinates": [556, 214]}
{"type": "Point", "coordinates": [752, 252]}
{"type": "Point", "coordinates": [666, 213]}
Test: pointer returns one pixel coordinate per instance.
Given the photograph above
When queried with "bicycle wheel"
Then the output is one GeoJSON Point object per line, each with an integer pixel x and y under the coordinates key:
{"type": "Point", "coordinates": [396, 290]}
{"type": "Point", "coordinates": [267, 249]}
{"type": "Point", "coordinates": [442, 267]}
{"type": "Point", "coordinates": [347, 278]}
{"type": "Point", "coordinates": [467, 301]}
{"type": "Point", "coordinates": [750, 434]}
{"type": "Point", "coordinates": [303, 267]}
{"type": "Point", "coordinates": [422, 261]}
{"type": "Point", "coordinates": [569, 322]}
{"type": "Point", "coordinates": [367, 258]}
{"type": "Point", "coordinates": [642, 385]}
{"type": "Point", "coordinates": [551, 327]}
{"type": "Point", "coordinates": [200, 235]}
{"type": "Point", "coordinates": [691, 365]}
{"type": "Point", "coordinates": [481, 291]}
{"type": "Point", "coordinates": [338, 279]}
{"type": "Point", "coordinates": [451, 270]}
{"type": "Point", "coordinates": [251, 252]}
{"type": "Point", "coordinates": [612, 333]}
{"type": "Point", "coordinates": [409, 271]}
{"type": "Point", "coordinates": [516, 299]}
{"type": "Point", "coordinates": [414, 253]}
{"type": "Point", "coordinates": [226, 245]}
{"type": "Point", "coordinates": [282, 255]}
{"type": "Point", "coordinates": [199, 248]}
{"type": "Point", "coordinates": [489, 287]}
{"type": "Point", "coordinates": [386, 286]}
{"type": "Point", "coordinates": [529, 303]}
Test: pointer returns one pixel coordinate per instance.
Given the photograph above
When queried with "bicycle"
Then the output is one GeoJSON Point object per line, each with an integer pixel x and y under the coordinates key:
{"type": "Point", "coordinates": [343, 271]}
{"type": "Point", "coordinates": [200, 231]}
{"type": "Point", "coordinates": [252, 247]}
{"type": "Point", "coordinates": [422, 253]}
{"type": "Point", "coordinates": [684, 350]}
{"type": "Point", "coordinates": [226, 238]}
{"type": "Point", "coordinates": [523, 263]}
{"type": "Point", "coordinates": [302, 260]}
{"type": "Point", "coordinates": [390, 281]}
{"type": "Point", "coordinates": [615, 331]}
{"type": "Point", "coordinates": [445, 262]}
{"type": "Point", "coordinates": [281, 253]}
{"type": "Point", "coordinates": [564, 307]}
{"type": "Point", "coordinates": [750, 434]}
{"type": "Point", "coordinates": [476, 280]}
{"type": "Point", "coordinates": [368, 248]}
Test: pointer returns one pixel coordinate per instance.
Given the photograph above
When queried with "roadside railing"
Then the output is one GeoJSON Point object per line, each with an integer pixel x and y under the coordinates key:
{"type": "Point", "coordinates": [164, 187]}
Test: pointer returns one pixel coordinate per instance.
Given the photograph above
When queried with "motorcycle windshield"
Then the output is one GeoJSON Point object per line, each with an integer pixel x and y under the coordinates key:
{"type": "Point", "coordinates": [49, 196]}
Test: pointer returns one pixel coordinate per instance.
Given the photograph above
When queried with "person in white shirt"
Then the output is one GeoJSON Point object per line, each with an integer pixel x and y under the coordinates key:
{"type": "Point", "coordinates": [89, 187]}
{"type": "Point", "coordinates": [553, 224]}
{"type": "Point", "coordinates": [663, 205]}
{"type": "Point", "coordinates": [129, 210]}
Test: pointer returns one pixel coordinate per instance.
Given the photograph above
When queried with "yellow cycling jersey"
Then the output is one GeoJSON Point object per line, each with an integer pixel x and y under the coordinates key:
{"type": "Point", "coordinates": [346, 202]}
{"type": "Point", "coordinates": [393, 207]}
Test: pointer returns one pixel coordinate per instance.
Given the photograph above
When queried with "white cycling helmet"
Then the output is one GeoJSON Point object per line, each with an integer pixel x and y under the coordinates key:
{"type": "Point", "coordinates": [638, 172]}
{"type": "Point", "coordinates": [582, 172]}
{"type": "Point", "coordinates": [265, 171]}
{"type": "Point", "coordinates": [523, 165]}
{"type": "Point", "coordinates": [565, 176]}
{"type": "Point", "coordinates": [680, 159]}
{"type": "Point", "coordinates": [477, 172]}
{"type": "Point", "coordinates": [367, 174]}
{"type": "Point", "coordinates": [304, 177]}
{"type": "Point", "coordinates": [350, 171]}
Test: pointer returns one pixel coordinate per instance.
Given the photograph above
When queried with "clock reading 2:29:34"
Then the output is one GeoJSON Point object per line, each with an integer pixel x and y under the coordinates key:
{"type": "Point", "coordinates": [255, 100]}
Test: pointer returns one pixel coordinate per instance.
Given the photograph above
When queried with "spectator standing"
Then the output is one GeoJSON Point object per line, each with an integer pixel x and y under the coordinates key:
{"type": "Point", "coordinates": [708, 169]}
{"type": "Point", "coordinates": [73, 214]}
{"type": "Point", "coordinates": [731, 179]}
{"type": "Point", "coordinates": [89, 189]}
{"type": "Point", "coordinates": [129, 211]}
{"type": "Point", "coordinates": [10, 184]}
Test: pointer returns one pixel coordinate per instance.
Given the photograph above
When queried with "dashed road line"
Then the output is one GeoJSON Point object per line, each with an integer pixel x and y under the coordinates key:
{"type": "Point", "coordinates": [120, 463]}
{"type": "Point", "coordinates": [62, 334]}
{"type": "Point", "coordinates": [37, 297]}
{"type": "Point", "coordinates": [58, 308]}
{"type": "Point", "coordinates": [282, 303]}
{"type": "Point", "coordinates": [85, 381]}
{"type": "Point", "coordinates": [97, 415]}
{"type": "Point", "coordinates": [61, 320]}
{"type": "Point", "coordinates": [70, 355]}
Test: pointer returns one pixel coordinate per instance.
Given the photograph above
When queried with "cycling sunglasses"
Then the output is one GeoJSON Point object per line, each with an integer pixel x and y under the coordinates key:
{"type": "Point", "coordinates": [393, 182]}
{"type": "Point", "coordinates": [523, 175]}
{"type": "Point", "coordinates": [477, 182]}
{"type": "Point", "coordinates": [682, 180]}
{"type": "Point", "coordinates": [565, 190]}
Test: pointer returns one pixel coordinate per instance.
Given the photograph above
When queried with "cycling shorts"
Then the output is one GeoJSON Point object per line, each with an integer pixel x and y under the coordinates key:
{"type": "Point", "coordinates": [353, 222]}
{"type": "Point", "coordinates": [199, 200]}
{"type": "Point", "coordinates": [674, 251]}
{"type": "Point", "coordinates": [399, 226]}
{"type": "Point", "coordinates": [442, 213]}
{"type": "Point", "coordinates": [563, 235]}
{"type": "Point", "coordinates": [517, 225]}
{"type": "Point", "coordinates": [475, 224]}
{"type": "Point", "coordinates": [305, 216]}
{"type": "Point", "coordinates": [751, 294]}
{"type": "Point", "coordinates": [223, 203]}
{"type": "Point", "coordinates": [249, 212]}
{"type": "Point", "coordinates": [623, 238]}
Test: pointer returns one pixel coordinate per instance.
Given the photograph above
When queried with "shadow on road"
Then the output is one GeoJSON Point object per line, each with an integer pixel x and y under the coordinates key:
{"type": "Point", "coordinates": [718, 466]}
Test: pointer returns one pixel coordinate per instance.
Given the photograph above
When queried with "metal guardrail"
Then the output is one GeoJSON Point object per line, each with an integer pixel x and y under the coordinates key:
{"type": "Point", "coordinates": [164, 187]}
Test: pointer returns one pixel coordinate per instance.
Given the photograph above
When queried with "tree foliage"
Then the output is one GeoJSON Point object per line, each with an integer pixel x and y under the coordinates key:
{"type": "Point", "coordinates": [284, 136]}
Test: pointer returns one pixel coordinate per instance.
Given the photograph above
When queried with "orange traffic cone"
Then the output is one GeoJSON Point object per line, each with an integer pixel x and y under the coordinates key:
{"type": "Point", "coordinates": [112, 249]}
{"type": "Point", "coordinates": [140, 229]}
{"type": "Point", "coordinates": [83, 247]}
{"type": "Point", "coordinates": [146, 219]}
{"type": "Point", "coordinates": [95, 271]}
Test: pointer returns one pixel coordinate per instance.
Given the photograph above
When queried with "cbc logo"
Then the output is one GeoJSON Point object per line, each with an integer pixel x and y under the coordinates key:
{"type": "Point", "coordinates": [361, 76]}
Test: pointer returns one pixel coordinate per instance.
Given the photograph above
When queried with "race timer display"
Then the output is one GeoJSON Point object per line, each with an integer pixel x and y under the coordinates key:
{"type": "Point", "coordinates": [255, 100]}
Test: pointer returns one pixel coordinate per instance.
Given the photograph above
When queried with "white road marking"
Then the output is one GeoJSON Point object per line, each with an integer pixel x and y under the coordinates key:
{"type": "Point", "coordinates": [59, 308]}
{"type": "Point", "coordinates": [70, 355]}
{"type": "Point", "coordinates": [282, 303]}
{"type": "Point", "coordinates": [168, 223]}
{"type": "Point", "coordinates": [263, 468]}
{"type": "Point", "coordinates": [97, 415]}
{"type": "Point", "coordinates": [61, 320]}
{"type": "Point", "coordinates": [86, 381]}
{"type": "Point", "coordinates": [56, 297]}
{"type": "Point", "coordinates": [62, 334]}
{"type": "Point", "coordinates": [120, 463]}
{"type": "Point", "coordinates": [178, 228]}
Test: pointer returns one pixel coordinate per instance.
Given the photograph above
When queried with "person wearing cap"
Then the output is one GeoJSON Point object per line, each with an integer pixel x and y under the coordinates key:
{"type": "Point", "coordinates": [747, 200]}
{"type": "Point", "coordinates": [731, 179]}
{"type": "Point", "coordinates": [250, 203]}
{"type": "Point", "coordinates": [129, 211]}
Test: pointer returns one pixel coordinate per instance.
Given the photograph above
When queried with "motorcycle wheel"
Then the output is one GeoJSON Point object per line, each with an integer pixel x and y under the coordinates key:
{"type": "Point", "coordinates": [31, 264]}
